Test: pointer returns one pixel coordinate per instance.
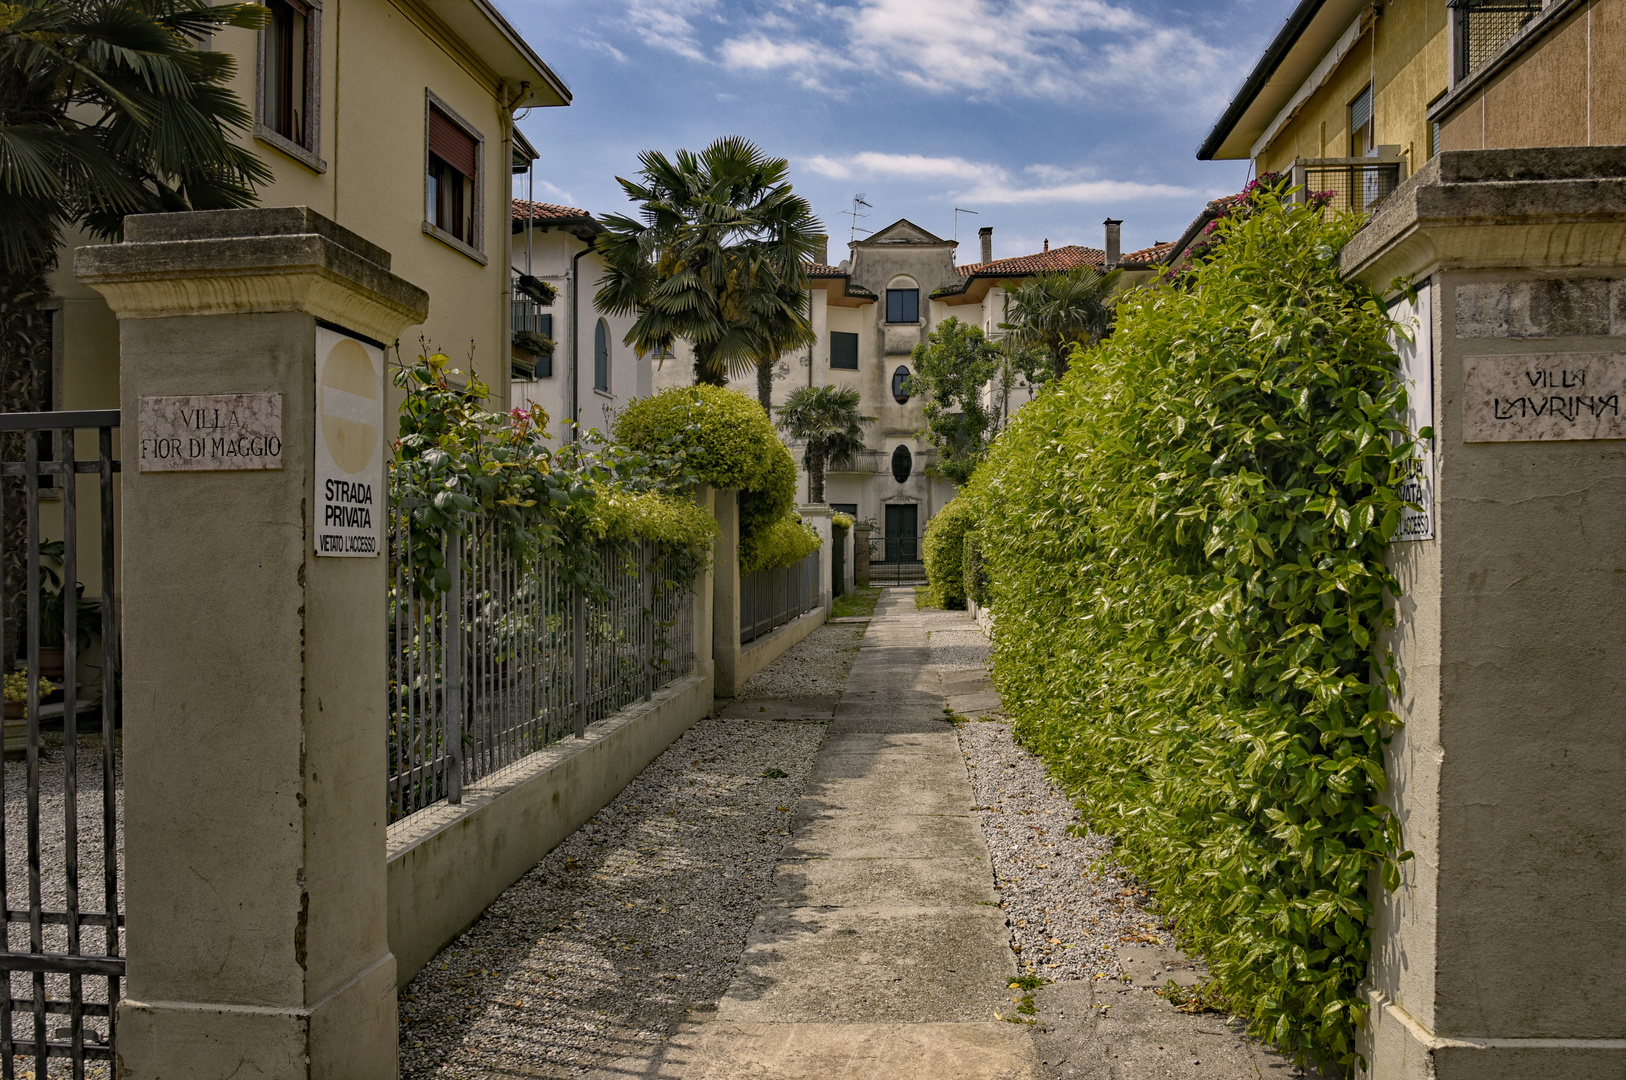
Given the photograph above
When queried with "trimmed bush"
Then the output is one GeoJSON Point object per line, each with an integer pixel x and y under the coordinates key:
{"type": "Point", "coordinates": [943, 551]}
{"type": "Point", "coordinates": [724, 439]}
{"type": "Point", "coordinates": [786, 542]}
{"type": "Point", "coordinates": [1185, 539]}
{"type": "Point", "coordinates": [652, 515]}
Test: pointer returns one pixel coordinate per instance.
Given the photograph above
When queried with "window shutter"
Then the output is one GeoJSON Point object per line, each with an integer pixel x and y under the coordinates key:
{"type": "Point", "coordinates": [452, 144]}
{"type": "Point", "coordinates": [1360, 110]}
{"type": "Point", "coordinates": [844, 350]}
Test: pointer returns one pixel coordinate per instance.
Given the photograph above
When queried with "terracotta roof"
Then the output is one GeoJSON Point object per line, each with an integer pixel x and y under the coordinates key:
{"type": "Point", "coordinates": [541, 211]}
{"type": "Point", "coordinates": [824, 270]}
{"type": "Point", "coordinates": [1045, 262]}
{"type": "Point", "coordinates": [1156, 253]}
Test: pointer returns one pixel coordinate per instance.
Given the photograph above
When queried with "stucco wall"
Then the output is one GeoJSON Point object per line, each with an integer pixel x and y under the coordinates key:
{"type": "Point", "coordinates": [1569, 89]}
{"type": "Point", "coordinates": [1405, 56]}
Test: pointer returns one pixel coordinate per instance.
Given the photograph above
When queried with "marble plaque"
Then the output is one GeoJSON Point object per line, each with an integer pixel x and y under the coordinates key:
{"type": "Point", "coordinates": [1544, 397]}
{"type": "Point", "coordinates": [211, 433]}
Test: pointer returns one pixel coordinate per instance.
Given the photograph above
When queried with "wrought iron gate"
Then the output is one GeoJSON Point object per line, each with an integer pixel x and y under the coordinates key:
{"type": "Point", "coordinates": [62, 957]}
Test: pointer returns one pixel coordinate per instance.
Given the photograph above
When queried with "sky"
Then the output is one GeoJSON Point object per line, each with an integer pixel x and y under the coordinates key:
{"type": "Point", "coordinates": [1043, 116]}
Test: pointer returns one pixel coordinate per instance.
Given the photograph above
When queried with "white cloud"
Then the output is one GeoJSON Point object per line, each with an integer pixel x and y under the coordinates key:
{"type": "Point", "coordinates": [1050, 49]}
{"type": "Point", "coordinates": [982, 182]}
{"type": "Point", "coordinates": [670, 24]}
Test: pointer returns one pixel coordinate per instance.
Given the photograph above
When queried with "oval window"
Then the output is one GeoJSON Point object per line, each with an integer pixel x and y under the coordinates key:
{"type": "Point", "coordinates": [903, 463]}
{"type": "Point", "coordinates": [900, 385]}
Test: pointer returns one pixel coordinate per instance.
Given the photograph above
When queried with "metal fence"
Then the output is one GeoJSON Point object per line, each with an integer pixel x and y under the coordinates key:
{"type": "Point", "coordinates": [771, 598]}
{"type": "Point", "coordinates": [896, 560]}
{"type": "Point", "coordinates": [59, 836]}
{"type": "Point", "coordinates": [1484, 26]}
{"type": "Point", "coordinates": [513, 656]}
{"type": "Point", "coordinates": [1350, 183]}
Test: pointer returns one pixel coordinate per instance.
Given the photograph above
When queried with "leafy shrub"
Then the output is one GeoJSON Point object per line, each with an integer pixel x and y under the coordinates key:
{"type": "Point", "coordinates": [618, 514]}
{"type": "Point", "coordinates": [786, 542]}
{"type": "Point", "coordinates": [943, 551]}
{"type": "Point", "coordinates": [972, 572]}
{"type": "Point", "coordinates": [725, 440]}
{"type": "Point", "coordinates": [1185, 540]}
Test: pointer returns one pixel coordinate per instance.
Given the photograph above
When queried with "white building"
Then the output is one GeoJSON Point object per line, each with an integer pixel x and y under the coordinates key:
{"type": "Point", "coordinates": [589, 373]}
{"type": "Point", "coordinates": [869, 313]}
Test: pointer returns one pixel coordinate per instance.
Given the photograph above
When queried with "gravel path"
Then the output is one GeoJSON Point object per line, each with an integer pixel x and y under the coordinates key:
{"type": "Point", "coordinates": [53, 875]}
{"type": "Point", "coordinates": [588, 963]}
{"type": "Point", "coordinates": [1069, 904]}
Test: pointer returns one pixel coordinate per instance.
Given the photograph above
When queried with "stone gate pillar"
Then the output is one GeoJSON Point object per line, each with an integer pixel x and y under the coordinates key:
{"type": "Point", "coordinates": [254, 668]}
{"type": "Point", "coordinates": [818, 515]}
{"type": "Point", "coordinates": [1501, 954]}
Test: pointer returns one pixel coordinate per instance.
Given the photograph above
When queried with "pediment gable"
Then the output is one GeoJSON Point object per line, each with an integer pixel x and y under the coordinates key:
{"type": "Point", "coordinates": [902, 231]}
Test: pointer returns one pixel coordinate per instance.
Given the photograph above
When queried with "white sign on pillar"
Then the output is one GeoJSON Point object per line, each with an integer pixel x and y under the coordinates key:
{"type": "Point", "coordinates": [1417, 370]}
{"type": "Point", "coordinates": [350, 493]}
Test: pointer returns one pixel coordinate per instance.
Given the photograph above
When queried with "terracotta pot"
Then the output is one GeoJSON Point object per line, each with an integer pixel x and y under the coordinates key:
{"type": "Point", "coordinates": [16, 710]}
{"type": "Point", "coordinates": [52, 662]}
{"type": "Point", "coordinates": [16, 730]}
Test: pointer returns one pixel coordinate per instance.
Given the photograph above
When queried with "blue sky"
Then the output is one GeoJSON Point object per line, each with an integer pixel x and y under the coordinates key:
{"type": "Point", "coordinates": [1044, 116]}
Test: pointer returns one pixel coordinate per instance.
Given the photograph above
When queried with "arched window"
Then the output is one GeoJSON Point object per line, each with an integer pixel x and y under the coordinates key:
{"type": "Point", "coordinates": [900, 385]}
{"type": "Point", "coordinates": [601, 356]}
{"type": "Point", "coordinates": [903, 463]}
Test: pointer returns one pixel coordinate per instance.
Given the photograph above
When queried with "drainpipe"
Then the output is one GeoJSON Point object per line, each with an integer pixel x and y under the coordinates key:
{"type": "Point", "coordinates": [575, 322]}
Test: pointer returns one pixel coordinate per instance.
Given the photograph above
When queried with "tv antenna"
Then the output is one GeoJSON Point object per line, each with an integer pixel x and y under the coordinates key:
{"type": "Point", "coordinates": [957, 212]}
{"type": "Point", "coordinates": [858, 200]}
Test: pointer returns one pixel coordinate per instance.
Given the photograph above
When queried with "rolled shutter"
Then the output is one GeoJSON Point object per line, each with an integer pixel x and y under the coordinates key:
{"type": "Point", "coordinates": [452, 144]}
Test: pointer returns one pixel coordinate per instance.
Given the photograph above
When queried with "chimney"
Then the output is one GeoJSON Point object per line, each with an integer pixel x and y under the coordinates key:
{"type": "Point", "coordinates": [1114, 242]}
{"type": "Point", "coordinates": [821, 250]}
{"type": "Point", "coordinates": [1047, 243]}
{"type": "Point", "coordinates": [986, 235]}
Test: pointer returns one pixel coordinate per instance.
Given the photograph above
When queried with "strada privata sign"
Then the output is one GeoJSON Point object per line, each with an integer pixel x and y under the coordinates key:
{"type": "Point", "coordinates": [349, 446]}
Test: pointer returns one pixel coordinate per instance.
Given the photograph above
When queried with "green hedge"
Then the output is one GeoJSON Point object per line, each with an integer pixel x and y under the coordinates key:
{"type": "Point", "coordinates": [784, 543]}
{"type": "Point", "coordinates": [724, 439]}
{"type": "Point", "coordinates": [943, 551]}
{"type": "Point", "coordinates": [616, 514]}
{"type": "Point", "coordinates": [1185, 543]}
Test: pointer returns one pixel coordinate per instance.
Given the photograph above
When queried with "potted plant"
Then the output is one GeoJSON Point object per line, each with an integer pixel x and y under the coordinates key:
{"type": "Point", "coordinates": [16, 719]}
{"type": "Point", "coordinates": [53, 601]}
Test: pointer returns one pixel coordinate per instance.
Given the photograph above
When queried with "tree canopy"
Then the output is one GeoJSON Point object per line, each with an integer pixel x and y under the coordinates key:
{"type": "Point", "coordinates": [717, 256]}
{"type": "Point", "coordinates": [1058, 311]}
{"type": "Point", "coordinates": [827, 420]}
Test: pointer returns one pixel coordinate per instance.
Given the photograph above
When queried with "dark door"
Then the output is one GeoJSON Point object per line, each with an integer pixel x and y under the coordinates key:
{"type": "Point", "coordinates": [901, 542]}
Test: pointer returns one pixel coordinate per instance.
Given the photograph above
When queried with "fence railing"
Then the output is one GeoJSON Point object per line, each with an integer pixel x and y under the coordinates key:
{"type": "Point", "coordinates": [1484, 26]}
{"type": "Point", "coordinates": [896, 560]}
{"type": "Point", "coordinates": [59, 847]}
{"type": "Point", "coordinates": [771, 598]}
{"type": "Point", "coordinates": [513, 657]}
{"type": "Point", "coordinates": [1350, 183]}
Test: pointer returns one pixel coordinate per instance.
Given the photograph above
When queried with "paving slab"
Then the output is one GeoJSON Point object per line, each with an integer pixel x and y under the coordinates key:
{"type": "Point", "coordinates": [866, 1051]}
{"type": "Point", "coordinates": [875, 882]}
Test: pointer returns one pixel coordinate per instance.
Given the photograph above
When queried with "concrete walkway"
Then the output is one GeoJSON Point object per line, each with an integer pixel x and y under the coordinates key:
{"type": "Point", "coordinates": [884, 952]}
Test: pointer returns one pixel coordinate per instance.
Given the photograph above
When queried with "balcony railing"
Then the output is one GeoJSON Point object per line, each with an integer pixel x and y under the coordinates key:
{"type": "Point", "coordinates": [1484, 26]}
{"type": "Point", "coordinates": [1348, 183]}
{"type": "Point", "coordinates": [532, 327]}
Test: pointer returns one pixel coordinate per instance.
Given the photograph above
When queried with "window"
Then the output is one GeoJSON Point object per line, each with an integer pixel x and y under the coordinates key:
{"type": "Point", "coordinates": [601, 356]}
{"type": "Point", "coordinates": [903, 463]}
{"type": "Point", "coordinates": [452, 209]}
{"type": "Point", "coordinates": [902, 305]}
{"type": "Point", "coordinates": [290, 70]}
{"type": "Point", "coordinates": [1361, 140]}
{"type": "Point", "coordinates": [843, 350]}
{"type": "Point", "coordinates": [850, 509]}
{"type": "Point", "coordinates": [900, 385]}
{"type": "Point", "coordinates": [1483, 27]}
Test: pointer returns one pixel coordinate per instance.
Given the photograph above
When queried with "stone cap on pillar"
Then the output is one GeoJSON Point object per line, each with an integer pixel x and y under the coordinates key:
{"type": "Point", "coordinates": [815, 510]}
{"type": "Point", "coordinates": [1541, 208]}
{"type": "Point", "coordinates": [280, 258]}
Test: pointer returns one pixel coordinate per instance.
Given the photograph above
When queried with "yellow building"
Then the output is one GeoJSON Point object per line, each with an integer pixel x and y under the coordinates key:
{"type": "Point", "coordinates": [395, 119]}
{"type": "Point", "coordinates": [1355, 95]}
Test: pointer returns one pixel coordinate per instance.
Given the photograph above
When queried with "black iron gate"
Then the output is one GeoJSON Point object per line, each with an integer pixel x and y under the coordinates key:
{"type": "Point", "coordinates": [62, 957]}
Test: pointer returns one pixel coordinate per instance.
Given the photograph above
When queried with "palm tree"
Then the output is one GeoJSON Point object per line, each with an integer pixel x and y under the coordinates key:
{"type": "Point", "coordinates": [107, 108]}
{"type": "Point", "coordinates": [718, 257]}
{"type": "Point", "coordinates": [1057, 311]}
{"type": "Point", "coordinates": [826, 419]}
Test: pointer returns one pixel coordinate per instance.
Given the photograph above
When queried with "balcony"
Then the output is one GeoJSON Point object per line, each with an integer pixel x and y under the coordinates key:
{"type": "Point", "coordinates": [1353, 183]}
{"type": "Point", "coordinates": [532, 326]}
{"type": "Point", "coordinates": [1484, 26]}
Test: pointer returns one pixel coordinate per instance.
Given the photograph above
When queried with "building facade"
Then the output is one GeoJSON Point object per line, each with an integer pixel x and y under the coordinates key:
{"type": "Point", "coordinates": [394, 118]}
{"type": "Point", "coordinates": [869, 313]}
{"type": "Point", "coordinates": [577, 366]}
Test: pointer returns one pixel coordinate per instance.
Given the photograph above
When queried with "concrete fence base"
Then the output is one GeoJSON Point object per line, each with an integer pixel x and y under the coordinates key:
{"type": "Point", "coordinates": [447, 863]}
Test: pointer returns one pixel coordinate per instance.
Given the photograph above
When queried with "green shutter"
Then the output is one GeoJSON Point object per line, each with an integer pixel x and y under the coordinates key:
{"type": "Point", "coordinates": [844, 350]}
